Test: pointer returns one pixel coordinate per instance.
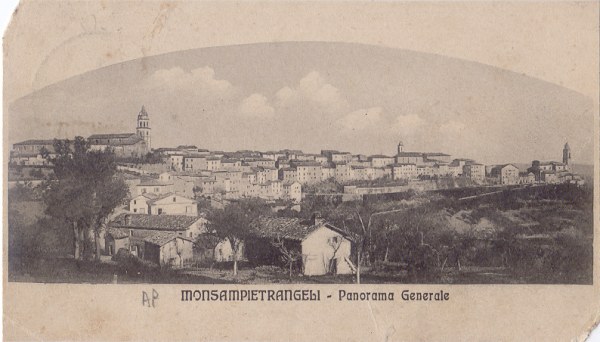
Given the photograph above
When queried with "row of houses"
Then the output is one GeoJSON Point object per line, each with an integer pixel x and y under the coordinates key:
{"type": "Point", "coordinates": [223, 184]}
{"type": "Point", "coordinates": [177, 240]}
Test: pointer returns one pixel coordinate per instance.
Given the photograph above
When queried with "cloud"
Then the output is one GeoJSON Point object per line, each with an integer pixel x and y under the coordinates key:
{"type": "Point", "coordinates": [256, 105]}
{"type": "Point", "coordinates": [452, 129]}
{"type": "Point", "coordinates": [200, 80]}
{"type": "Point", "coordinates": [362, 119]}
{"type": "Point", "coordinates": [312, 89]}
{"type": "Point", "coordinates": [408, 125]}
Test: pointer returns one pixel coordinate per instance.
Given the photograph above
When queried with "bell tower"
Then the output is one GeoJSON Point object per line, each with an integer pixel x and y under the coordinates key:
{"type": "Point", "coordinates": [400, 147]}
{"type": "Point", "coordinates": [567, 155]}
{"type": "Point", "coordinates": [143, 127]}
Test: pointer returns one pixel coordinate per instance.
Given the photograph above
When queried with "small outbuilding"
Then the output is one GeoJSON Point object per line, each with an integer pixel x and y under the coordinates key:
{"type": "Point", "coordinates": [324, 248]}
{"type": "Point", "coordinates": [169, 249]}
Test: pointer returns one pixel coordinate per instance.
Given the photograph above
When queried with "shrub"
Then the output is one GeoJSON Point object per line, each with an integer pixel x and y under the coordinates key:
{"type": "Point", "coordinates": [130, 264]}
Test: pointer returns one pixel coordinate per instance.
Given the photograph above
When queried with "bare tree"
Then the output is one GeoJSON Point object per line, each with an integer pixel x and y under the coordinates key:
{"type": "Point", "coordinates": [288, 255]}
{"type": "Point", "coordinates": [335, 245]}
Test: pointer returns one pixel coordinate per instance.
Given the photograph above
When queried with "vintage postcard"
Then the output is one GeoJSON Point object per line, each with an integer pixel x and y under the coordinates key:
{"type": "Point", "coordinates": [301, 171]}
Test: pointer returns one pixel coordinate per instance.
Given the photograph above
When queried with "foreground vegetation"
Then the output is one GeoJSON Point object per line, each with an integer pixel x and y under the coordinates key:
{"type": "Point", "coordinates": [517, 235]}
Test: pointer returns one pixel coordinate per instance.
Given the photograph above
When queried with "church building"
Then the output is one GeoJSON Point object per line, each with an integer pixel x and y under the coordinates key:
{"type": "Point", "coordinates": [126, 145]}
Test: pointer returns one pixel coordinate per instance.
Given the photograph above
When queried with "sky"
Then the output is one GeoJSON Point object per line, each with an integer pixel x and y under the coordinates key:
{"type": "Point", "coordinates": [494, 81]}
{"type": "Point", "coordinates": [317, 95]}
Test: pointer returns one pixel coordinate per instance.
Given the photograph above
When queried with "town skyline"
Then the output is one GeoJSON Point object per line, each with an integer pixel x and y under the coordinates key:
{"type": "Point", "coordinates": [205, 98]}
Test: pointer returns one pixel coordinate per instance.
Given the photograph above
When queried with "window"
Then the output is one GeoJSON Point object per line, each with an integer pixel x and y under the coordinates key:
{"type": "Point", "coordinates": [130, 232]}
{"type": "Point", "coordinates": [135, 210]}
{"type": "Point", "coordinates": [174, 199]}
{"type": "Point", "coordinates": [134, 202]}
{"type": "Point", "coordinates": [160, 211]}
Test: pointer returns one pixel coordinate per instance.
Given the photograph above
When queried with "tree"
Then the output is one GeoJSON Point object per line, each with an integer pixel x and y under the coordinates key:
{"type": "Point", "coordinates": [289, 256]}
{"type": "Point", "coordinates": [233, 223]}
{"type": "Point", "coordinates": [86, 191]}
{"type": "Point", "coordinates": [358, 219]}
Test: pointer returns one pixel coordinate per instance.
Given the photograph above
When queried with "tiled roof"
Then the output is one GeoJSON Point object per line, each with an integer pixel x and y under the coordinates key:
{"type": "Point", "coordinates": [117, 233]}
{"type": "Point", "coordinates": [286, 228]}
{"type": "Point", "coordinates": [148, 195]}
{"type": "Point", "coordinates": [153, 222]}
{"type": "Point", "coordinates": [154, 200]}
{"type": "Point", "coordinates": [124, 139]}
{"type": "Point", "coordinates": [161, 238]}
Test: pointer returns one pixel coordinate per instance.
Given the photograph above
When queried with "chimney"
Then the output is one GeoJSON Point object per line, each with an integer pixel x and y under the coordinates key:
{"type": "Point", "coordinates": [128, 220]}
{"type": "Point", "coordinates": [317, 219]}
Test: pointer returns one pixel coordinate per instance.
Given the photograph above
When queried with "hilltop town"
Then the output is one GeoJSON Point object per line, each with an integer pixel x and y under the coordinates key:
{"type": "Point", "coordinates": [171, 189]}
{"type": "Point", "coordinates": [191, 172]}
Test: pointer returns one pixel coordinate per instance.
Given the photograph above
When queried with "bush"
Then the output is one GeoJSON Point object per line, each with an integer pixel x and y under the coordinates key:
{"type": "Point", "coordinates": [130, 264]}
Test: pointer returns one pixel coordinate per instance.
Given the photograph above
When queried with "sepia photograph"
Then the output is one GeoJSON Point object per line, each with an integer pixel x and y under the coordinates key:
{"type": "Point", "coordinates": [299, 160]}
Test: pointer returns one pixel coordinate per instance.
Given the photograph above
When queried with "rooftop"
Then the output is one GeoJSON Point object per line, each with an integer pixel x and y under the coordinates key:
{"type": "Point", "coordinates": [436, 154]}
{"type": "Point", "coordinates": [153, 222]}
{"type": "Point", "coordinates": [152, 182]}
{"type": "Point", "coordinates": [161, 238]}
{"type": "Point", "coordinates": [409, 154]}
{"type": "Point", "coordinates": [112, 136]}
{"type": "Point", "coordinates": [160, 197]}
{"type": "Point", "coordinates": [287, 228]}
{"type": "Point", "coordinates": [36, 142]}
{"type": "Point", "coordinates": [117, 233]}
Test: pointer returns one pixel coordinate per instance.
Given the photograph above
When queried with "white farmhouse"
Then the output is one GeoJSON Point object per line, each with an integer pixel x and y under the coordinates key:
{"type": "Point", "coordinates": [325, 248]}
{"type": "Point", "coordinates": [172, 204]}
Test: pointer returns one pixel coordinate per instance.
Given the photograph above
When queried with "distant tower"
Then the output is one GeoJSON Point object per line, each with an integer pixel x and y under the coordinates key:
{"type": "Point", "coordinates": [567, 155]}
{"type": "Point", "coordinates": [400, 147]}
{"type": "Point", "coordinates": [143, 127]}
